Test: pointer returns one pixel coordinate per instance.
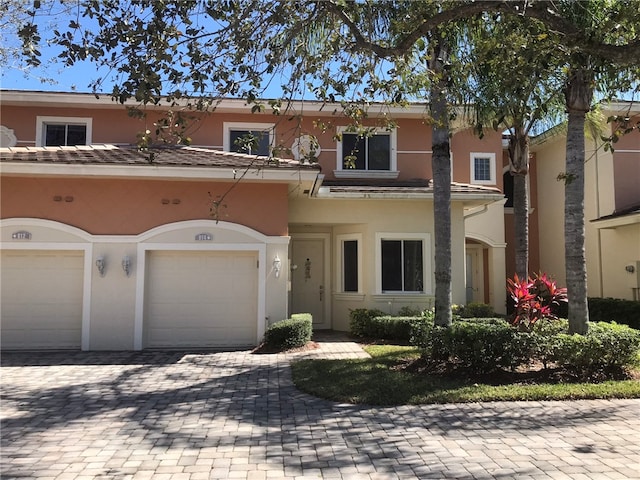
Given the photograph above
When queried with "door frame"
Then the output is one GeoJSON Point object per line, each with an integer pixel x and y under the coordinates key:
{"type": "Point", "coordinates": [326, 251]}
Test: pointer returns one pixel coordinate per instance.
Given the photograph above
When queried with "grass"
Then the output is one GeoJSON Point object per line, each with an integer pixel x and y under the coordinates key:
{"type": "Point", "coordinates": [381, 380]}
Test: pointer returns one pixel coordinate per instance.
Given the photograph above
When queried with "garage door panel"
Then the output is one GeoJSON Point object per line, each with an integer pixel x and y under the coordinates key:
{"type": "Point", "coordinates": [41, 295]}
{"type": "Point", "coordinates": [201, 299]}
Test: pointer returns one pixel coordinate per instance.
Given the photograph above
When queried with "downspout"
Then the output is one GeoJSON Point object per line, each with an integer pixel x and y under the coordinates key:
{"type": "Point", "coordinates": [316, 185]}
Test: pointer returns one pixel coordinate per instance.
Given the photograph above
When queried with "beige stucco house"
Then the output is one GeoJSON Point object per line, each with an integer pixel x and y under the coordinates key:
{"type": "Point", "coordinates": [612, 207]}
{"type": "Point", "coordinates": [108, 247]}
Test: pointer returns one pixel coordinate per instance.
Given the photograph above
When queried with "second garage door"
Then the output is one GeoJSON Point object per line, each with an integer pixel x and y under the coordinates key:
{"type": "Point", "coordinates": [201, 299]}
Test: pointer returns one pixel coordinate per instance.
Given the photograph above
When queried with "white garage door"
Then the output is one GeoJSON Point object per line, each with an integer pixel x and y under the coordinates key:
{"type": "Point", "coordinates": [41, 295]}
{"type": "Point", "coordinates": [201, 299]}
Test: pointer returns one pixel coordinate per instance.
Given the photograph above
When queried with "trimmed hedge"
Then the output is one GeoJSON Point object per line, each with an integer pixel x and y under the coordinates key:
{"type": "Point", "coordinates": [291, 333]}
{"type": "Point", "coordinates": [488, 345]}
{"type": "Point", "coordinates": [360, 320]}
{"type": "Point", "coordinates": [476, 310]}
{"type": "Point", "coordinates": [609, 309]}
{"type": "Point", "coordinates": [373, 323]}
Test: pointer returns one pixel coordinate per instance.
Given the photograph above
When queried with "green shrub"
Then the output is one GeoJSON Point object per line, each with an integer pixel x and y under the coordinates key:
{"type": "Point", "coordinates": [393, 328]}
{"type": "Point", "coordinates": [606, 345]}
{"type": "Point", "coordinates": [487, 346]}
{"type": "Point", "coordinates": [302, 316]}
{"type": "Point", "coordinates": [482, 345]}
{"type": "Point", "coordinates": [545, 338]}
{"type": "Point", "coordinates": [291, 333]}
{"type": "Point", "coordinates": [410, 312]}
{"type": "Point", "coordinates": [375, 324]}
{"type": "Point", "coordinates": [360, 318]}
{"type": "Point", "coordinates": [625, 312]}
{"type": "Point", "coordinates": [476, 310]}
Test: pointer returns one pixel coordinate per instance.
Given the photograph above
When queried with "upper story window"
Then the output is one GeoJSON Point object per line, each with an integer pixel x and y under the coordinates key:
{"type": "Point", "coordinates": [483, 168]}
{"type": "Point", "coordinates": [402, 263]}
{"type": "Point", "coordinates": [63, 131]}
{"type": "Point", "coordinates": [250, 138]}
{"type": "Point", "coordinates": [363, 156]}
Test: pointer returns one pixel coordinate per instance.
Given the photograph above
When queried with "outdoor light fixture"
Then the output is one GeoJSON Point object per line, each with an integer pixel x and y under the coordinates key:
{"type": "Point", "coordinates": [277, 265]}
{"type": "Point", "coordinates": [126, 265]}
{"type": "Point", "coordinates": [101, 264]}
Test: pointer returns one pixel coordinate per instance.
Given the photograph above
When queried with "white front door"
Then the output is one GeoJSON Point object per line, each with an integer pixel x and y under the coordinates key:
{"type": "Point", "coordinates": [310, 278]}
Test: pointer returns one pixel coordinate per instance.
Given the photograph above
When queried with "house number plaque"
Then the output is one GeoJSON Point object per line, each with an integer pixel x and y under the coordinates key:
{"type": "Point", "coordinates": [21, 235]}
{"type": "Point", "coordinates": [204, 237]}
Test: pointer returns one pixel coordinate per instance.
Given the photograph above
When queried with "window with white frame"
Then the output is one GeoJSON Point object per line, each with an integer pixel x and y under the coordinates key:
{"type": "Point", "coordinates": [402, 263]}
{"type": "Point", "coordinates": [359, 154]}
{"type": "Point", "coordinates": [63, 131]}
{"type": "Point", "coordinates": [483, 168]}
{"type": "Point", "coordinates": [349, 263]}
{"type": "Point", "coordinates": [250, 138]}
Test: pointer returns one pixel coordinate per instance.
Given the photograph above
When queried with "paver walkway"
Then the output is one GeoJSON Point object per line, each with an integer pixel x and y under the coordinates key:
{"type": "Point", "coordinates": [189, 416]}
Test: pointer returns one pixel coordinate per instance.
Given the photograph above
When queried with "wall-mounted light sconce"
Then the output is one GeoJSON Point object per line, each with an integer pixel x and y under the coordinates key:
{"type": "Point", "coordinates": [277, 265]}
{"type": "Point", "coordinates": [101, 264]}
{"type": "Point", "coordinates": [126, 265]}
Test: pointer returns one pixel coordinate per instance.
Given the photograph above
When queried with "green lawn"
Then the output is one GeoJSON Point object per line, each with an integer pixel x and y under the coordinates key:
{"type": "Point", "coordinates": [381, 381]}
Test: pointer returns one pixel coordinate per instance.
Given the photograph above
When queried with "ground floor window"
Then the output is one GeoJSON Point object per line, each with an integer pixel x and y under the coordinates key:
{"type": "Point", "coordinates": [349, 251]}
{"type": "Point", "coordinates": [402, 265]}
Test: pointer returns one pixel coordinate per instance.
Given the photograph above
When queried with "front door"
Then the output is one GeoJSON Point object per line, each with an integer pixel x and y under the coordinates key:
{"type": "Point", "coordinates": [310, 278]}
{"type": "Point", "coordinates": [474, 274]}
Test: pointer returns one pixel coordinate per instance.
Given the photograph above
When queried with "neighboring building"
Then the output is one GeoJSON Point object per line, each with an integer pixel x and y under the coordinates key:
{"type": "Point", "coordinates": [108, 247]}
{"type": "Point", "coordinates": [612, 208]}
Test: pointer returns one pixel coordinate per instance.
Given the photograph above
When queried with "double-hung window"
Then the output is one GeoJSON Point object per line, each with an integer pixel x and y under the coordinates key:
{"type": "Point", "coordinates": [363, 155]}
{"type": "Point", "coordinates": [250, 138]}
{"type": "Point", "coordinates": [63, 131]}
{"type": "Point", "coordinates": [483, 168]}
{"type": "Point", "coordinates": [403, 263]}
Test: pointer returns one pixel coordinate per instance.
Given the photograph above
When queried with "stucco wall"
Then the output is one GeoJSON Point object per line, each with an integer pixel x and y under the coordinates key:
{"type": "Point", "coordinates": [125, 207]}
{"type": "Point", "coordinates": [620, 247]}
{"type": "Point", "coordinates": [604, 250]}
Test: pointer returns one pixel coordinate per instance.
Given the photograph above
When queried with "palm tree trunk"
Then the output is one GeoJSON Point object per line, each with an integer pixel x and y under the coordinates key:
{"type": "Point", "coordinates": [579, 93]}
{"type": "Point", "coordinates": [441, 166]}
{"type": "Point", "coordinates": [519, 157]}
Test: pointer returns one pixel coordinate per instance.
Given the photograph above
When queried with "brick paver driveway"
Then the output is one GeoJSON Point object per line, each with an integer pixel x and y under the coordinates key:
{"type": "Point", "coordinates": [236, 415]}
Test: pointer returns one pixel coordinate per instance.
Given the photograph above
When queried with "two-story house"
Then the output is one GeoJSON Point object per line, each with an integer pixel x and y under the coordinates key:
{"type": "Point", "coordinates": [108, 247]}
{"type": "Point", "coordinates": [612, 207]}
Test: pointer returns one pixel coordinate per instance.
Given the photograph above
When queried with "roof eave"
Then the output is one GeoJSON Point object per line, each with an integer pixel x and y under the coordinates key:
{"type": "Point", "coordinates": [252, 174]}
